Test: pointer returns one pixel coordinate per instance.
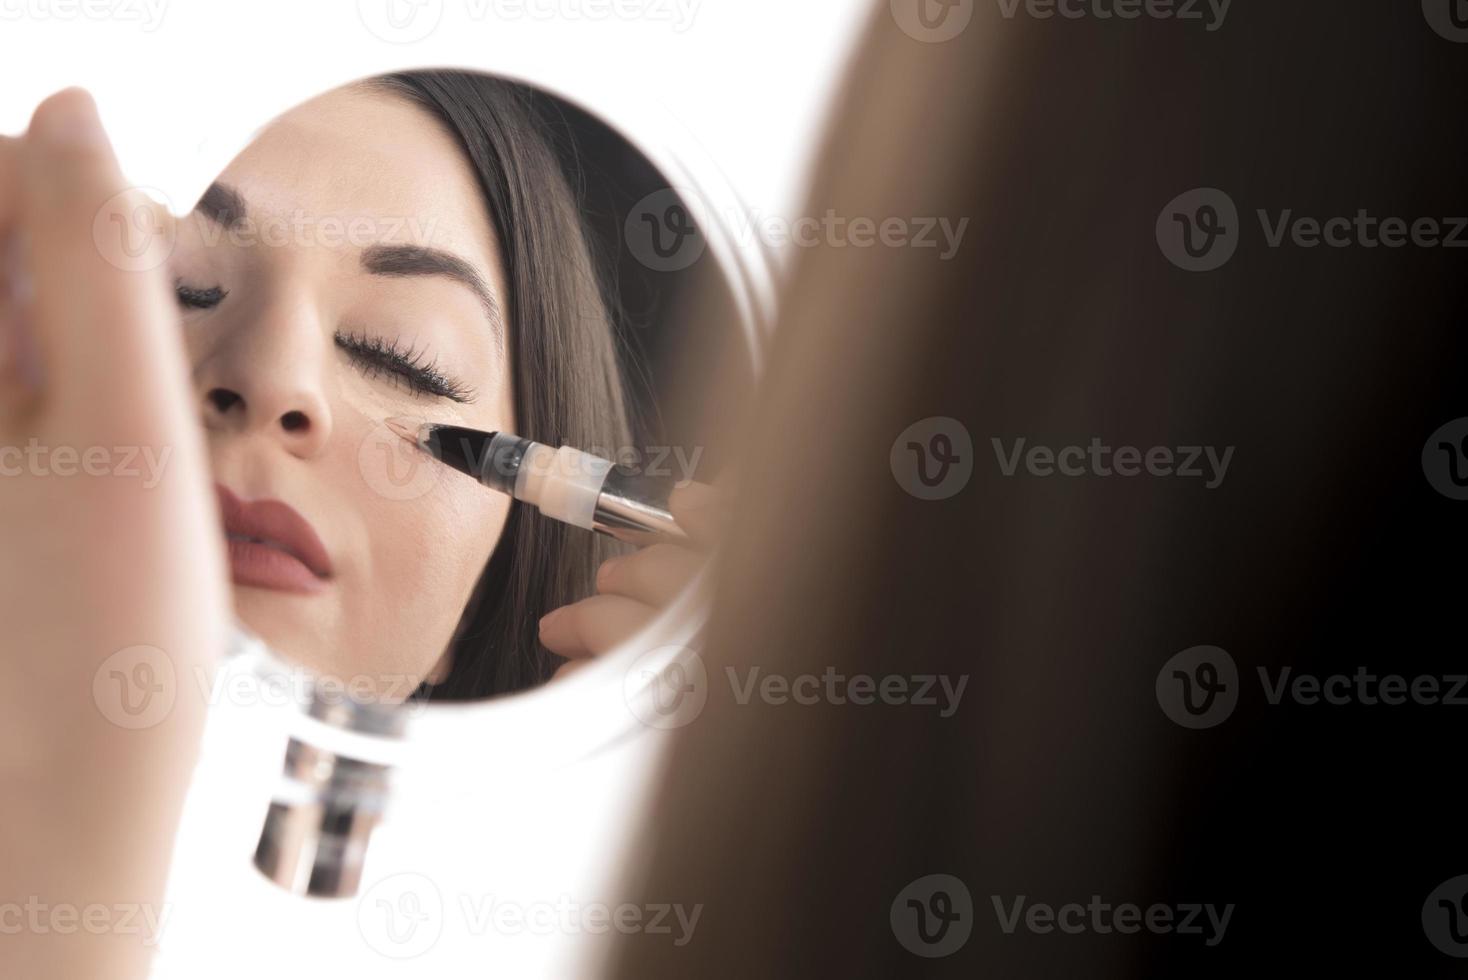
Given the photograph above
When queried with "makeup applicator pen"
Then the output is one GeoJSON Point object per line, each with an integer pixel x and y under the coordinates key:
{"type": "Point", "coordinates": [566, 484]}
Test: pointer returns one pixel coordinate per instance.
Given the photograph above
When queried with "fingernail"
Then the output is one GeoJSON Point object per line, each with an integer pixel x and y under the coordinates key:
{"type": "Point", "coordinates": [68, 119]}
{"type": "Point", "coordinates": [549, 619]}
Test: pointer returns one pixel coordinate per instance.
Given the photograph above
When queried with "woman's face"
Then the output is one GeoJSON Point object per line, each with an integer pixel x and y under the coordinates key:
{"type": "Point", "coordinates": [343, 271]}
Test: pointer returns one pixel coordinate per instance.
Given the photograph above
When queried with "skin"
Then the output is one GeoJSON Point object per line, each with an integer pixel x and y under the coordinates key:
{"type": "Point", "coordinates": [95, 801]}
{"type": "Point", "coordinates": [402, 569]}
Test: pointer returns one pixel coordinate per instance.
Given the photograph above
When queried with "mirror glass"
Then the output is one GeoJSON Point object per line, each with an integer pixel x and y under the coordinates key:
{"type": "Point", "coordinates": [454, 248]}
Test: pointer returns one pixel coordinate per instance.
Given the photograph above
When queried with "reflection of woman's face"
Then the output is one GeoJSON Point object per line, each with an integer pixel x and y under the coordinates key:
{"type": "Point", "coordinates": [343, 271]}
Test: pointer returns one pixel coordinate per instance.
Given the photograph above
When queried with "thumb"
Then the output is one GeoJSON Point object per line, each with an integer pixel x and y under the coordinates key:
{"type": "Point", "coordinates": [96, 249]}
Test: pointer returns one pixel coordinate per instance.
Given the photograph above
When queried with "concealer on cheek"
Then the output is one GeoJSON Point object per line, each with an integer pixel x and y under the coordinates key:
{"type": "Point", "coordinates": [369, 400]}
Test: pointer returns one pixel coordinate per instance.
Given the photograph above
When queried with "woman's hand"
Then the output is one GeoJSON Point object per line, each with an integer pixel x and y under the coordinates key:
{"type": "Point", "coordinates": [632, 589]}
{"type": "Point", "coordinates": [113, 593]}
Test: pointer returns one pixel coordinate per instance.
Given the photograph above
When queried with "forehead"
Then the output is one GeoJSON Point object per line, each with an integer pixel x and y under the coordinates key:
{"type": "Point", "coordinates": [372, 157]}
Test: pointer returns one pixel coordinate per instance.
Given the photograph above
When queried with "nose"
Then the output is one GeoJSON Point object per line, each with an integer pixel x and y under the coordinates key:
{"type": "Point", "coordinates": [266, 378]}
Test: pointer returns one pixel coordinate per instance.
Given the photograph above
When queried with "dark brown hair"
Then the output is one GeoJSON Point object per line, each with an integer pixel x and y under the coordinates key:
{"type": "Point", "coordinates": [797, 827]}
{"type": "Point", "coordinates": [565, 372]}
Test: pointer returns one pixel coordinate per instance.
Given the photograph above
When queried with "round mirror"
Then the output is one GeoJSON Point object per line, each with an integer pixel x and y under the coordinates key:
{"type": "Point", "coordinates": [467, 251]}
{"type": "Point", "coordinates": [455, 249]}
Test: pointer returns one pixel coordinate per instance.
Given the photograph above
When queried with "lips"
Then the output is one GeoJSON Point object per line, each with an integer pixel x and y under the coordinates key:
{"type": "Point", "coordinates": [271, 546]}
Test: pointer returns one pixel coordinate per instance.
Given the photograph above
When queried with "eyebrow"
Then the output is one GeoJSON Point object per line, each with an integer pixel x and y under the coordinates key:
{"type": "Point", "coordinates": [225, 206]}
{"type": "Point", "coordinates": [222, 205]}
{"type": "Point", "coordinates": [419, 260]}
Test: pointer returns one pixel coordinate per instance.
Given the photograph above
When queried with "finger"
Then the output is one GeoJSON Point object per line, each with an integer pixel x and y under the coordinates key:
{"type": "Point", "coordinates": [571, 666]}
{"type": "Point", "coordinates": [18, 364]}
{"type": "Point", "coordinates": [16, 352]}
{"type": "Point", "coordinates": [700, 510]}
{"type": "Point", "coordinates": [656, 575]}
{"type": "Point", "coordinates": [9, 181]}
{"type": "Point", "coordinates": [102, 319]}
{"type": "Point", "coordinates": [594, 626]}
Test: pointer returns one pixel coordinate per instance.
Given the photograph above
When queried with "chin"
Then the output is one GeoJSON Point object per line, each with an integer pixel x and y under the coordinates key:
{"type": "Point", "coordinates": [292, 626]}
{"type": "Point", "coordinates": [303, 631]}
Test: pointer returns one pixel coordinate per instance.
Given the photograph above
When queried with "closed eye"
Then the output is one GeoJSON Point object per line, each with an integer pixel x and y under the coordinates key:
{"type": "Point", "coordinates": [375, 357]}
{"type": "Point", "coordinates": [192, 298]}
{"type": "Point", "coordinates": [407, 367]}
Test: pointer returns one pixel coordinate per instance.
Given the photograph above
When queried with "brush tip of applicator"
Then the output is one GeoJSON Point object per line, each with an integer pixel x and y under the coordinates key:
{"type": "Point", "coordinates": [408, 428]}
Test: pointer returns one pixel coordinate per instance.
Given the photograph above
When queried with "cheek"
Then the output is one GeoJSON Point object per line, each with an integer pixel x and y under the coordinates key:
{"type": "Point", "coordinates": [426, 553]}
{"type": "Point", "coordinates": [461, 523]}
{"type": "Point", "coordinates": [423, 557]}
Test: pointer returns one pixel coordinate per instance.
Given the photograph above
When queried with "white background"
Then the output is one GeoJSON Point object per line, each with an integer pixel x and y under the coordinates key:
{"type": "Point", "coordinates": [181, 85]}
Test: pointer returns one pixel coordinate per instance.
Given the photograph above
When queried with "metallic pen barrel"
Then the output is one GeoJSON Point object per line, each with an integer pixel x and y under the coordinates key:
{"type": "Point", "coordinates": [632, 505]}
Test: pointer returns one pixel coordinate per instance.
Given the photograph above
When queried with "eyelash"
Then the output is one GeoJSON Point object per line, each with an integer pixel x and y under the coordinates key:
{"type": "Point", "coordinates": [408, 367]}
{"type": "Point", "coordinates": [198, 299]}
{"type": "Point", "coordinates": [372, 355]}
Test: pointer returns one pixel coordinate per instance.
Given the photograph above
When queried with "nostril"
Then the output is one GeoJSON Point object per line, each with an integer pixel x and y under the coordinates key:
{"type": "Point", "coordinates": [223, 399]}
{"type": "Point", "coordinates": [295, 422]}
